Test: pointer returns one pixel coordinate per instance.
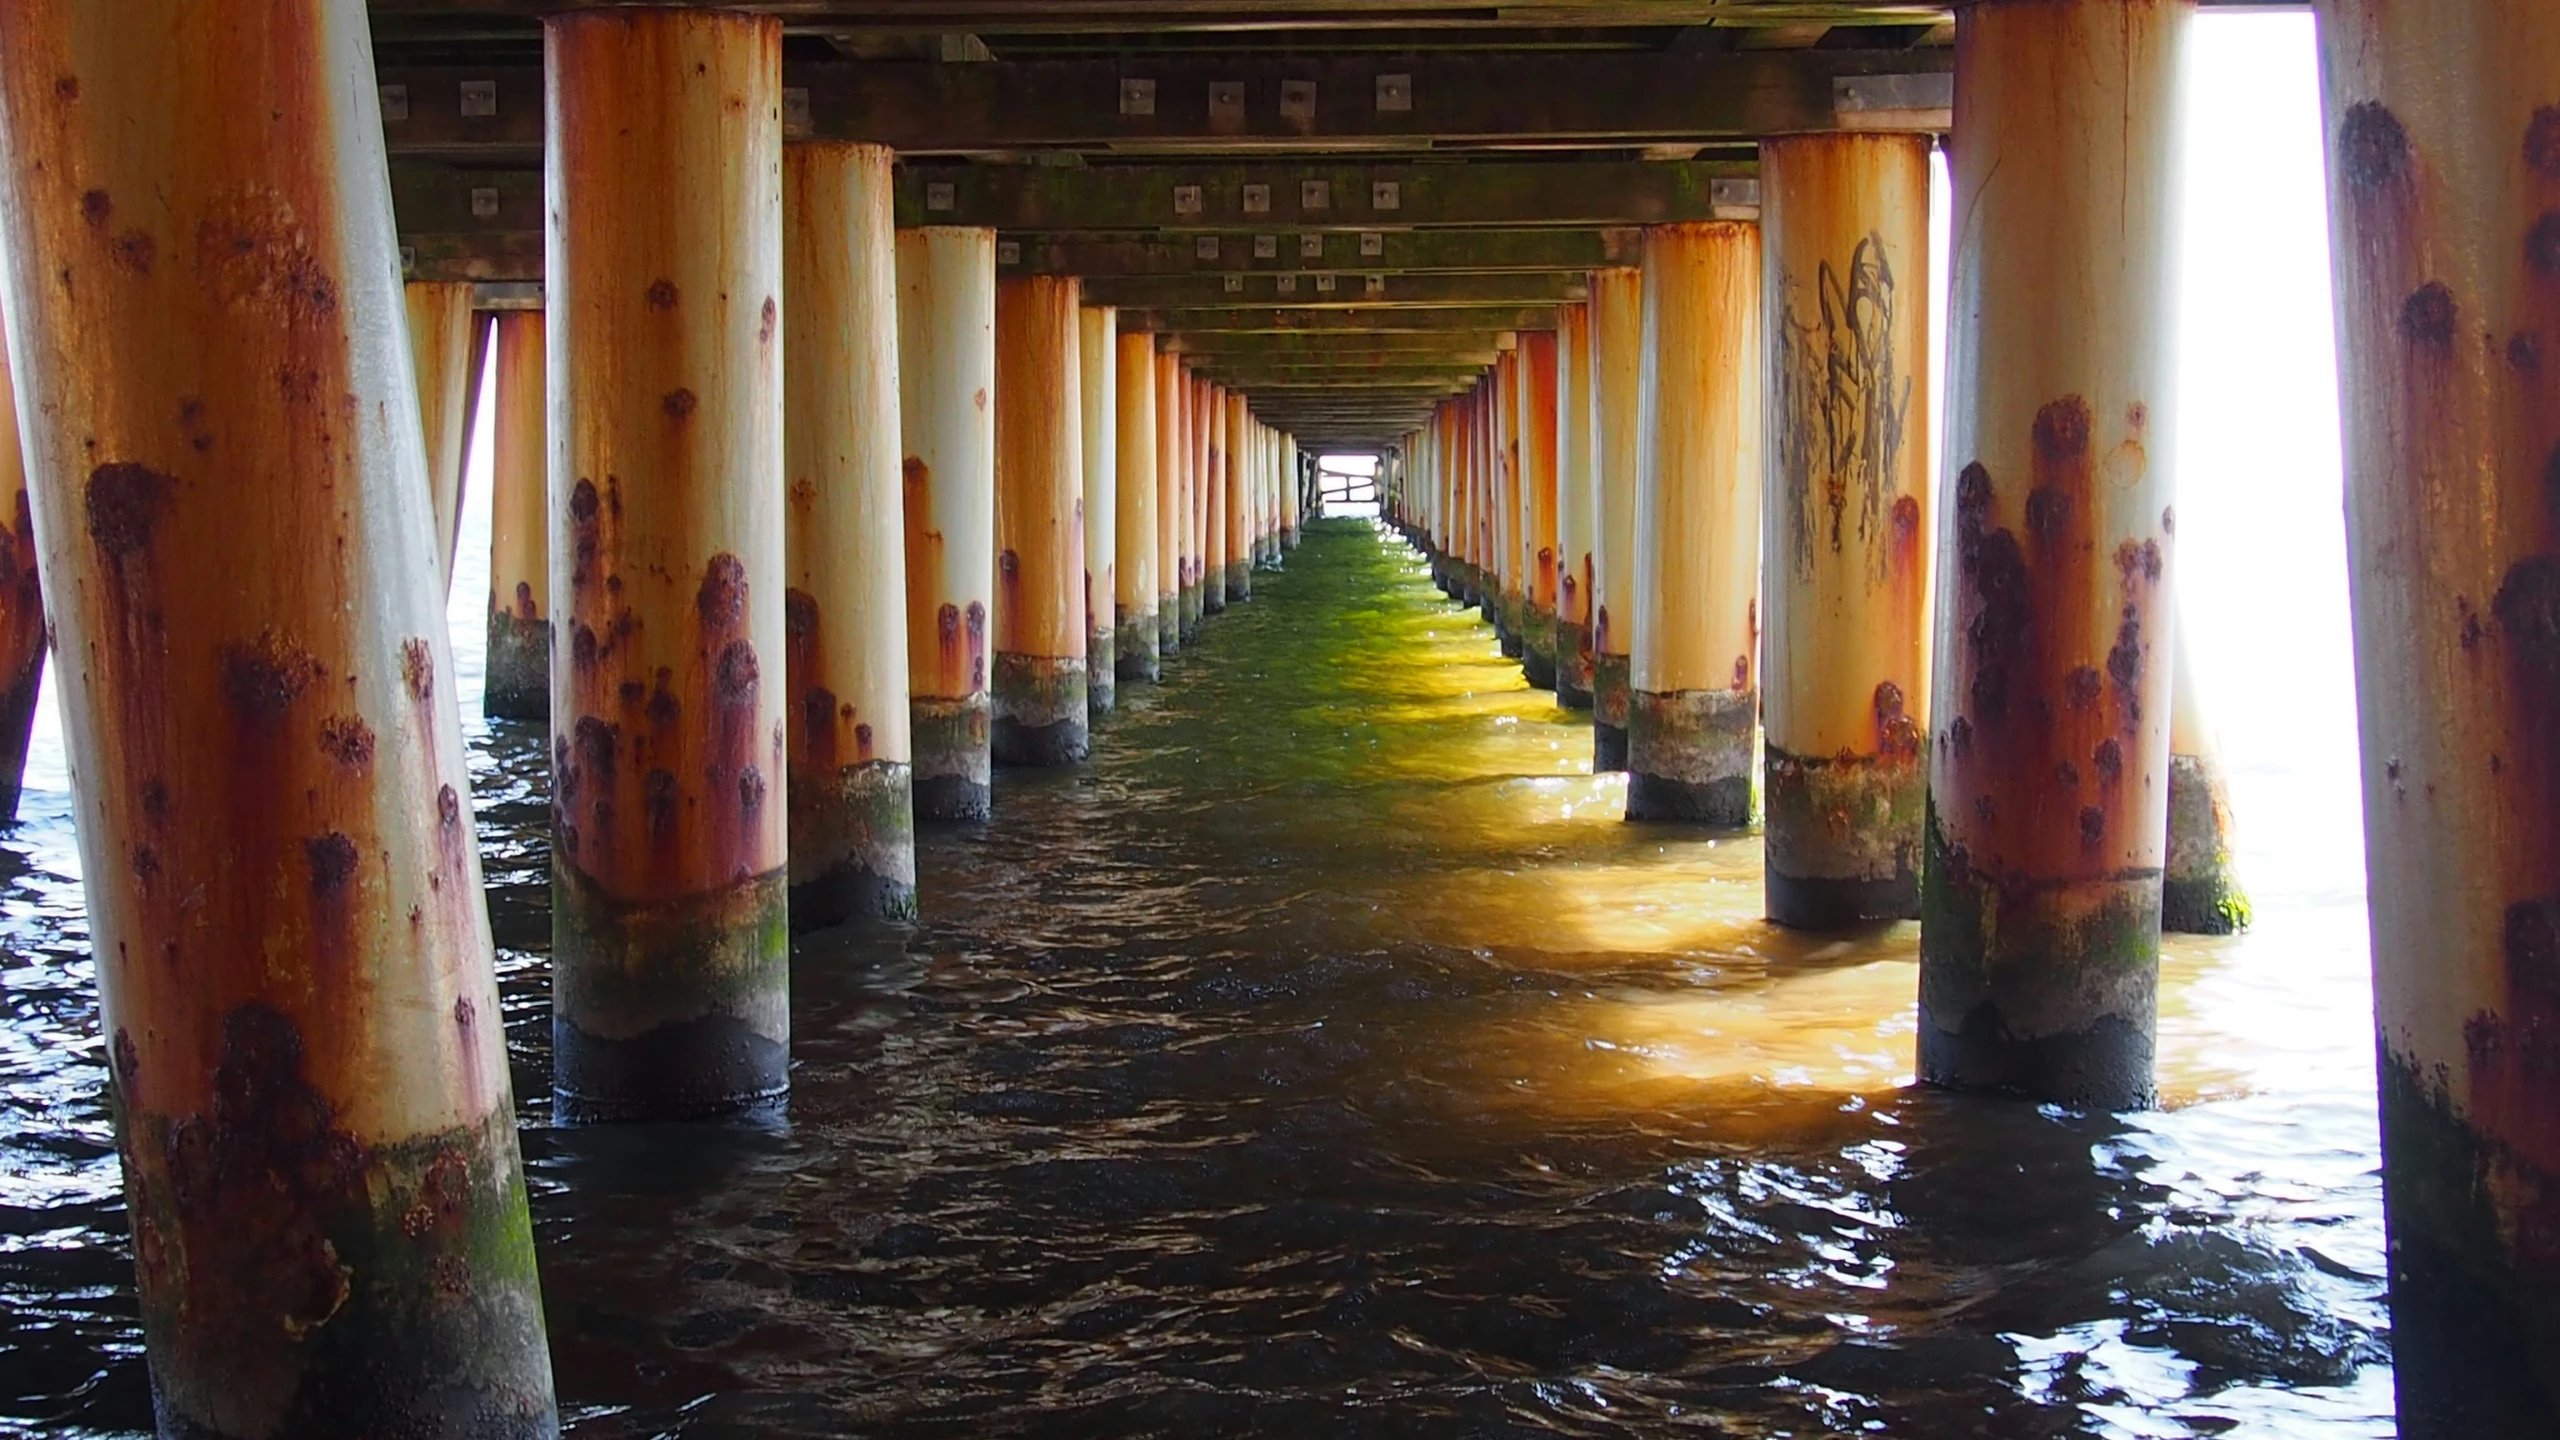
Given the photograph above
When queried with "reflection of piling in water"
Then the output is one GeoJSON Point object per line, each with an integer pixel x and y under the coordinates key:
{"type": "Point", "coordinates": [670, 989]}
{"type": "Point", "coordinates": [1845, 223]}
{"type": "Point", "coordinates": [1039, 680]}
{"type": "Point", "coordinates": [517, 671]}
{"type": "Point", "coordinates": [1617, 383]}
{"type": "Point", "coordinates": [298, 1007]}
{"type": "Point", "coordinates": [946, 424]}
{"type": "Point", "coordinates": [2444, 172]}
{"type": "Point", "coordinates": [1693, 699]}
{"type": "Point", "coordinates": [2049, 764]}
{"type": "Point", "coordinates": [852, 825]}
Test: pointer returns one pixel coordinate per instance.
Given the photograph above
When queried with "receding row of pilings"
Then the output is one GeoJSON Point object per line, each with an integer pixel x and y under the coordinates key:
{"type": "Point", "coordinates": [1702, 508]}
{"type": "Point", "coordinates": [799, 522]}
{"type": "Point", "coordinates": [2022, 769]}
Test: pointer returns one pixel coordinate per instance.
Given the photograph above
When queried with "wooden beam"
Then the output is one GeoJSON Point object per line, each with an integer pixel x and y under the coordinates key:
{"type": "Point", "coordinates": [1327, 197]}
{"type": "Point", "coordinates": [1372, 252]}
{"type": "Point", "coordinates": [1203, 346]}
{"type": "Point", "coordinates": [470, 222]}
{"type": "Point", "coordinates": [446, 18]}
{"type": "Point", "coordinates": [1242, 370]}
{"type": "Point", "coordinates": [1344, 322]}
{"type": "Point", "coordinates": [1176, 104]}
{"type": "Point", "coordinates": [1331, 291]}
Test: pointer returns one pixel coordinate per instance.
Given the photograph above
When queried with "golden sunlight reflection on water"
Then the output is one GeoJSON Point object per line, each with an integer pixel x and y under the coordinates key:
{"type": "Point", "coordinates": [1536, 856]}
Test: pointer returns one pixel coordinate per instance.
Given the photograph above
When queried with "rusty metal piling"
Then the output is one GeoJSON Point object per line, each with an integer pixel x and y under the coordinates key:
{"type": "Point", "coordinates": [1173, 454]}
{"type": "Point", "coordinates": [849, 757]}
{"type": "Point", "coordinates": [1577, 507]}
{"type": "Point", "coordinates": [1041, 712]}
{"type": "Point", "coordinates": [2200, 891]}
{"type": "Point", "coordinates": [946, 421]}
{"type": "Point", "coordinates": [670, 963]}
{"type": "Point", "coordinates": [1536, 452]}
{"type": "Point", "coordinates": [448, 345]}
{"type": "Point", "coordinates": [2443, 123]}
{"type": "Point", "coordinates": [22, 627]}
{"type": "Point", "coordinates": [1693, 697]}
{"type": "Point", "coordinates": [1845, 559]}
{"type": "Point", "coordinates": [297, 999]}
{"type": "Point", "coordinates": [516, 681]}
{"type": "Point", "coordinates": [1218, 423]}
{"type": "Point", "coordinates": [1236, 501]}
{"type": "Point", "coordinates": [1135, 591]}
{"type": "Point", "coordinates": [1617, 382]}
{"type": "Point", "coordinates": [1098, 374]}
{"type": "Point", "coordinates": [2048, 762]}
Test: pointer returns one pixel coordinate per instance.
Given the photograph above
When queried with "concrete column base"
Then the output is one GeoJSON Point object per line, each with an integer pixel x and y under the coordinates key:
{"type": "Point", "coordinates": [952, 772]}
{"type": "Point", "coordinates": [1689, 756]}
{"type": "Point", "coordinates": [1040, 711]}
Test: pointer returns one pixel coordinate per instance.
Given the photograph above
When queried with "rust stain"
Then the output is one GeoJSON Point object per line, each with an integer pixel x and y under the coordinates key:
{"type": "Point", "coordinates": [349, 741]}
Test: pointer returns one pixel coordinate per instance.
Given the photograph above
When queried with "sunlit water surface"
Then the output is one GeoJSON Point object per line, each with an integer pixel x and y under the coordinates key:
{"type": "Point", "coordinates": [1329, 1058]}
